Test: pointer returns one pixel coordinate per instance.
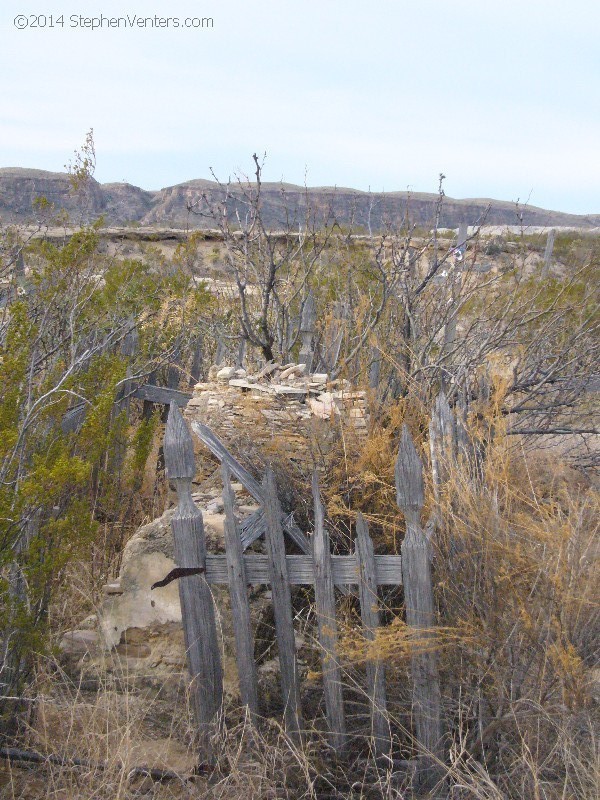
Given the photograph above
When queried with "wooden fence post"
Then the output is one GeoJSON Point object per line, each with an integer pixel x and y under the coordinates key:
{"type": "Point", "coordinates": [419, 603]}
{"type": "Point", "coordinates": [240, 607]}
{"type": "Point", "coordinates": [282, 607]}
{"type": "Point", "coordinates": [328, 637]}
{"type": "Point", "coordinates": [221, 351]}
{"type": "Point", "coordinates": [465, 447]}
{"type": "Point", "coordinates": [197, 610]}
{"type": "Point", "coordinates": [367, 588]}
{"type": "Point", "coordinates": [253, 525]}
{"type": "Point", "coordinates": [241, 353]}
{"type": "Point", "coordinates": [442, 442]}
{"type": "Point", "coordinates": [307, 332]}
{"type": "Point", "coordinates": [548, 254]}
{"type": "Point", "coordinates": [335, 335]}
{"type": "Point", "coordinates": [375, 368]}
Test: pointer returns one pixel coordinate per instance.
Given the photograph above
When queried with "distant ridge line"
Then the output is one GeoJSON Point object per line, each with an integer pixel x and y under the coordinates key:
{"type": "Point", "coordinates": [123, 203]}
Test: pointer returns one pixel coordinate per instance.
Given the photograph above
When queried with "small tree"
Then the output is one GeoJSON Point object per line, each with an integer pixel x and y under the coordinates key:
{"type": "Point", "coordinates": [73, 344]}
{"type": "Point", "coordinates": [272, 270]}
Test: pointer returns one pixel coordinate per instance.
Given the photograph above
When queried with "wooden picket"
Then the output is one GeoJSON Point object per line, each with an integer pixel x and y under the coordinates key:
{"type": "Point", "coordinates": [307, 333]}
{"type": "Point", "coordinates": [318, 567]}
{"type": "Point", "coordinates": [548, 254]}
{"type": "Point", "coordinates": [282, 607]}
{"type": "Point", "coordinates": [419, 603]}
{"type": "Point", "coordinates": [370, 618]}
{"type": "Point", "coordinates": [327, 626]}
{"type": "Point", "coordinates": [197, 611]}
{"type": "Point", "coordinates": [240, 606]}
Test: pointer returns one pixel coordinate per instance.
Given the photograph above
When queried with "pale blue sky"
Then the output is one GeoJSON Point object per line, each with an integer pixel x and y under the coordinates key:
{"type": "Point", "coordinates": [503, 97]}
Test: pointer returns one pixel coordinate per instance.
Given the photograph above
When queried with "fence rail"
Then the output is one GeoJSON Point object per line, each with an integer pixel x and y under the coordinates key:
{"type": "Point", "coordinates": [301, 572]}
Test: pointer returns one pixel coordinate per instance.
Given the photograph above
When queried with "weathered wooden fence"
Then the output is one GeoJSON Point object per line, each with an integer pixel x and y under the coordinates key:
{"type": "Point", "coordinates": [317, 566]}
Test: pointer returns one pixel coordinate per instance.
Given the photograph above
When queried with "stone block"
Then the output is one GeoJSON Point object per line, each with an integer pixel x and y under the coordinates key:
{"type": "Point", "coordinates": [267, 370]}
{"type": "Point", "coordinates": [133, 650]}
{"type": "Point", "coordinates": [112, 588]}
{"type": "Point", "coordinates": [290, 391]}
{"type": "Point", "coordinates": [296, 370]}
{"type": "Point", "coordinates": [225, 374]}
{"type": "Point", "coordinates": [356, 413]}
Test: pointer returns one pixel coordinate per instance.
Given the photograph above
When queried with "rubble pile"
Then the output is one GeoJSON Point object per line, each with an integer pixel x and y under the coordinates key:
{"type": "Point", "coordinates": [277, 397]}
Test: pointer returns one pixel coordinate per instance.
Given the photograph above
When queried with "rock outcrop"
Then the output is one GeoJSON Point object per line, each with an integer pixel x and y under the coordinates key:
{"type": "Point", "coordinates": [122, 204]}
{"type": "Point", "coordinates": [138, 630]}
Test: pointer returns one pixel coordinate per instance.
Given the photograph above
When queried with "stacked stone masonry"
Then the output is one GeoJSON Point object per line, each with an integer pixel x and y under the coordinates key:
{"type": "Point", "coordinates": [280, 395]}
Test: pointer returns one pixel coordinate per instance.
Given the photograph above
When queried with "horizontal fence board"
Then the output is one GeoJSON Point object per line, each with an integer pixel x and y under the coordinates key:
{"type": "Point", "coordinates": [162, 395]}
{"type": "Point", "coordinates": [388, 569]}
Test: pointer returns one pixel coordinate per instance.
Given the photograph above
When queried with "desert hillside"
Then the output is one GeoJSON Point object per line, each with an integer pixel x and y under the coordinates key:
{"type": "Point", "coordinates": [122, 204]}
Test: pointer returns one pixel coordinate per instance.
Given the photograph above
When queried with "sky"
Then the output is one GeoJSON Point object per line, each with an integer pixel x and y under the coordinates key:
{"type": "Point", "coordinates": [502, 97]}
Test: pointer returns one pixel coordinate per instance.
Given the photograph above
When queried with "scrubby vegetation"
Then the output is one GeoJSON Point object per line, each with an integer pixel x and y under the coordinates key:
{"type": "Point", "coordinates": [513, 517]}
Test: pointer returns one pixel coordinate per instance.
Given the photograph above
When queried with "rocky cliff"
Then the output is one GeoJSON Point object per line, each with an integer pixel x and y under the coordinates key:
{"type": "Point", "coordinates": [123, 204]}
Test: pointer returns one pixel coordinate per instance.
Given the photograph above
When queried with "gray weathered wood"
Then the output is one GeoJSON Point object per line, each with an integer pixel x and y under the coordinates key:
{"type": "Point", "coordinates": [180, 460]}
{"type": "Point", "coordinates": [327, 626]}
{"type": "Point", "coordinates": [200, 633]}
{"type": "Point", "coordinates": [307, 332]}
{"type": "Point", "coordinates": [196, 369]}
{"type": "Point", "coordinates": [240, 607]}
{"type": "Point", "coordinates": [419, 604]}
{"type": "Point", "coordinates": [335, 335]}
{"type": "Point", "coordinates": [221, 351]}
{"type": "Point", "coordinates": [174, 368]}
{"type": "Point", "coordinates": [131, 341]}
{"type": "Point", "coordinates": [375, 368]}
{"type": "Point", "coordinates": [241, 353]}
{"type": "Point", "coordinates": [463, 235]}
{"type": "Point", "coordinates": [294, 532]}
{"type": "Point", "coordinates": [160, 394]}
{"type": "Point", "coordinates": [388, 570]}
{"type": "Point", "coordinates": [252, 528]}
{"type": "Point", "coordinates": [74, 418]}
{"type": "Point", "coordinates": [442, 443]}
{"type": "Point", "coordinates": [465, 447]}
{"type": "Point", "coordinates": [218, 449]}
{"type": "Point", "coordinates": [129, 347]}
{"type": "Point", "coordinates": [148, 405]}
{"type": "Point", "coordinates": [410, 492]}
{"type": "Point", "coordinates": [370, 618]}
{"type": "Point", "coordinates": [548, 254]}
{"type": "Point", "coordinates": [282, 607]}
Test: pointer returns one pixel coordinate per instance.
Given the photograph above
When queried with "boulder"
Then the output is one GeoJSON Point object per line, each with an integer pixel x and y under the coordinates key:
{"type": "Point", "coordinates": [78, 643]}
{"type": "Point", "coordinates": [149, 556]}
